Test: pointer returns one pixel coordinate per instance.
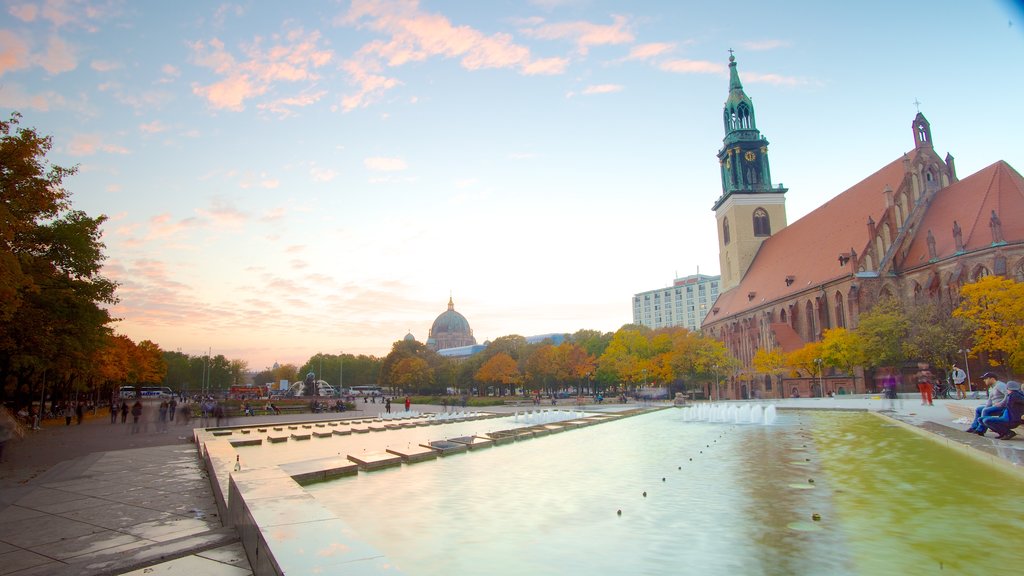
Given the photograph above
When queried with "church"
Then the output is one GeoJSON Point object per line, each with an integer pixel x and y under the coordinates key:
{"type": "Point", "coordinates": [912, 230]}
{"type": "Point", "coordinates": [450, 330]}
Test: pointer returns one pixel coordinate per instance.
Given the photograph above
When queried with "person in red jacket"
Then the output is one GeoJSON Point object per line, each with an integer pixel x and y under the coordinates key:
{"type": "Point", "coordinates": [407, 403]}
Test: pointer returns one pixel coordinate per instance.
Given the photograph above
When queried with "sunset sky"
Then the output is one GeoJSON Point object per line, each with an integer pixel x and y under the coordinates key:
{"type": "Point", "coordinates": [287, 178]}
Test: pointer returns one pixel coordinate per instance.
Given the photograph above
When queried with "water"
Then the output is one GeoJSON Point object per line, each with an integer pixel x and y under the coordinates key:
{"type": "Point", "coordinates": [720, 498]}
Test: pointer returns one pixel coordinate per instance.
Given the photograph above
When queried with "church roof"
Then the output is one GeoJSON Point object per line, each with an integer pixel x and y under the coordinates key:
{"type": "Point", "coordinates": [450, 322]}
{"type": "Point", "coordinates": [807, 251]}
{"type": "Point", "coordinates": [970, 203]}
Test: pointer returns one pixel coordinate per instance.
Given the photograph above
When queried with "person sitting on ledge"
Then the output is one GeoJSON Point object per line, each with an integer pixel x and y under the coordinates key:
{"type": "Point", "coordinates": [1010, 417]}
{"type": "Point", "coordinates": [992, 407]}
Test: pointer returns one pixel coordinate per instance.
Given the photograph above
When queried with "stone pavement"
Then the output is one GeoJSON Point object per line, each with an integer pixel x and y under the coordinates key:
{"type": "Point", "coordinates": [95, 499]}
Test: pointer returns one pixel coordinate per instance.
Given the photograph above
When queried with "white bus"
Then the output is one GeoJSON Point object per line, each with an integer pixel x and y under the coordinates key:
{"type": "Point", "coordinates": [366, 391]}
{"type": "Point", "coordinates": [146, 392]}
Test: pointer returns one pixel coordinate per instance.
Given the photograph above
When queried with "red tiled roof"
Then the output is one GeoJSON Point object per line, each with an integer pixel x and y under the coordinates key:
{"type": "Point", "coordinates": [809, 248]}
{"type": "Point", "coordinates": [786, 337]}
{"type": "Point", "coordinates": [970, 202]}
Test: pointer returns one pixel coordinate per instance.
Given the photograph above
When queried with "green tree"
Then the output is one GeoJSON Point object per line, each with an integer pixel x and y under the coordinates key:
{"type": "Point", "coordinates": [883, 331]}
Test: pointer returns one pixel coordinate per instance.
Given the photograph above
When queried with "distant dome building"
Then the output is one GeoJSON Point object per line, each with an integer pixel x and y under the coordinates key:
{"type": "Point", "coordinates": [450, 330]}
{"type": "Point", "coordinates": [409, 337]}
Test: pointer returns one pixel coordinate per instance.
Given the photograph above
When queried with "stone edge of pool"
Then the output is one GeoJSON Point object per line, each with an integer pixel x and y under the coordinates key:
{"type": "Point", "coordinates": [285, 530]}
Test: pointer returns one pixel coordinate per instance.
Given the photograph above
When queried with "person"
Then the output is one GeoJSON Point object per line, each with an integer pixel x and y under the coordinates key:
{"type": "Point", "coordinates": [960, 381]}
{"type": "Point", "coordinates": [79, 412]}
{"type": "Point", "coordinates": [1009, 416]}
{"type": "Point", "coordinates": [992, 406]}
{"type": "Point", "coordinates": [68, 413]}
{"type": "Point", "coordinates": [172, 406]}
{"type": "Point", "coordinates": [136, 414]}
{"type": "Point", "coordinates": [162, 426]}
{"type": "Point", "coordinates": [387, 405]}
{"type": "Point", "coordinates": [889, 384]}
{"type": "Point", "coordinates": [407, 403]}
{"type": "Point", "coordinates": [924, 379]}
{"type": "Point", "coordinates": [113, 412]}
{"type": "Point", "coordinates": [124, 411]}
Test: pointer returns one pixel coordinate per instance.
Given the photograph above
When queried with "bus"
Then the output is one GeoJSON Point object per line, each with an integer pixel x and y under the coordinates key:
{"type": "Point", "coordinates": [366, 391]}
{"type": "Point", "coordinates": [146, 392]}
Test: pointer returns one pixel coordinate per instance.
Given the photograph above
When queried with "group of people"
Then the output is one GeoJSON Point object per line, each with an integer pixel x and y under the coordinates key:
{"type": "Point", "coordinates": [1003, 410]}
{"type": "Point", "coordinates": [166, 411]}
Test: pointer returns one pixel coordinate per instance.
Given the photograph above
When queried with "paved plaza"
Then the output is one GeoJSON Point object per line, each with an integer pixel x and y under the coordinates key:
{"type": "Point", "coordinates": [96, 499]}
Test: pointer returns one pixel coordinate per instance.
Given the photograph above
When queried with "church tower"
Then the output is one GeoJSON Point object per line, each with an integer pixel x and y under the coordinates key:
{"type": "Point", "coordinates": [749, 209]}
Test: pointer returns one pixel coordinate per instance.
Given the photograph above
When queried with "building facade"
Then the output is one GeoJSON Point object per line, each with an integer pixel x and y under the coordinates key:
{"type": "Point", "coordinates": [912, 230]}
{"type": "Point", "coordinates": [684, 304]}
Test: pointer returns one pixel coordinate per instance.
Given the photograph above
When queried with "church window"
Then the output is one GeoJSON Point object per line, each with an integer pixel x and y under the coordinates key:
{"type": "Point", "coordinates": [725, 230]}
{"type": "Point", "coordinates": [1018, 274]}
{"type": "Point", "coordinates": [979, 272]}
{"type": "Point", "coordinates": [762, 225]}
{"type": "Point", "coordinates": [840, 311]}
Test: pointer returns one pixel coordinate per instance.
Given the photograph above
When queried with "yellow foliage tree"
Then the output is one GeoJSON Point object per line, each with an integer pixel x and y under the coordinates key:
{"type": "Point", "coordinates": [499, 370]}
{"type": "Point", "coordinates": [995, 308]}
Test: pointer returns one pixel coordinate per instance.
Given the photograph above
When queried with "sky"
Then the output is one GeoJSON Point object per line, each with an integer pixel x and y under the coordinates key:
{"type": "Point", "coordinates": [283, 179]}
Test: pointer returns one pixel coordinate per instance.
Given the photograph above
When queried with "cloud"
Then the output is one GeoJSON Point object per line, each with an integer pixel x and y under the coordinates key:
{"type": "Point", "coordinates": [24, 12]}
{"type": "Point", "coordinates": [648, 51]}
{"type": "Point", "coordinates": [763, 45]}
{"type": "Point", "coordinates": [283, 106]}
{"type": "Point", "coordinates": [14, 52]}
{"type": "Point", "coordinates": [322, 174]}
{"type": "Point", "coordinates": [585, 34]}
{"type": "Point", "coordinates": [162, 226]}
{"type": "Point", "coordinates": [89, 144]}
{"type": "Point", "coordinates": [385, 164]}
{"type": "Point", "coordinates": [603, 89]}
{"type": "Point", "coordinates": [293, 57]}
{"type": "Point", "coordinates": [221, 215]}
{"type": "Point", "coordinates": [413, 35]}
{"type": "Point", "coordinates": [274, 215]}
{"type": "Point", "coordinates": [59, 57]}
{"type": "Point", "coordinates": [154, 127]}
{"type": "Point", "coordinates": [170, 74]}
{"type": "Point", "coordinates": [104, 65]}
{"type": "Point", "coordinates": [684, 66]}
{"type": "Point", "coordinates": [13, 97]}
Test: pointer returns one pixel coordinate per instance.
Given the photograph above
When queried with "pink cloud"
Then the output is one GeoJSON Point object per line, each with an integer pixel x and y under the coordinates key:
{"type": "Point", "coordinates": [684, 66]}
{"type": "Point", "coordinates": [163, 226]}
{"type": "Point", "coordinates": [603, 89]}
{"type": "Point", "coordinates": [648, 51]}
{"type": "Point", "coordinates": [14, 52]}
{"type": "Point", "coordinates": [385, 164]}
{"type": "Point", "coordinates": [89, 144]}
{"type": "Point", "coordinates": [59, 57]}
{"type": "Point", "coordinates": [273, 215]}
{"type": "Point", "coordinates": [153, 127]}
{"type": "Point", "coordinates": [284, 106]}
{"type": "Point", "coordinates": [413, 35]}
{"type": "Point", "coordinates": [104, 65]}
{"type": "Point", "coordinates": [292, 58]}
{"type": "Point", "coordinates": [57, 12]}
{"type": "Point", "coordinates": [585, 34]}
{"type": "Point", "coordinates": [24, 12]}
{"type": "Point", "coordinates": [221, 215]}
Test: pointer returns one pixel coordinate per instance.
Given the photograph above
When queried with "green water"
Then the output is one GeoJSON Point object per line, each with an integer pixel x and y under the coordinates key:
{"type": "Point", "coordinates": [695, 498]}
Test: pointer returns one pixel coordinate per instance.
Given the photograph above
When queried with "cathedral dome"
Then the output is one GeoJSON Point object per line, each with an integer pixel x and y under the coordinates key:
{"type": "Point", "coordinates": [450, 330]}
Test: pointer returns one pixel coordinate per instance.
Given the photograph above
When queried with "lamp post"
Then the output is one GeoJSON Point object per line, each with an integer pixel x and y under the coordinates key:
{"type": "Point", "coordinates": [821, 387]}
{"type": "Point", "coordinates": [967, 367]}
{"type": "Point", "coordinates": [718, 392]}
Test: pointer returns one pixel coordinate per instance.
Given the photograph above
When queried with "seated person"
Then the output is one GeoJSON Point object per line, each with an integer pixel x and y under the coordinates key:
{"type": "Point", "coordinates": [992, 407]}
{"type": "Point", "coordinates": [1010, 417]}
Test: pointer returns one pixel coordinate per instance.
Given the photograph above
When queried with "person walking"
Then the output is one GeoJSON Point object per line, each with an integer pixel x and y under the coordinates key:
{"type": "Point", "coordinates": [172, 406]}
{"type": "Point", "coordinates": [136, 414]}
{"type": "Point", "coordinates": [387, 405]}
{"type": "Point", "coordinates": [124, 411]}
{"type": "Point", "coordinates": [959, 378]}
{"type": "Point", "coordinates": [68, 414]}
{"type": "Point", "coordinates": [924, 379]}
{"type": "Point", "coordinates": [113, 411]}
{"type": "Point", "coordinates": [407, 403]}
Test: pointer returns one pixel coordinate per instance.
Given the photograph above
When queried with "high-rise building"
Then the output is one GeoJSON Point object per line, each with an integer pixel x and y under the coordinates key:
{"type": "Point", "coordinates": [685, 303]}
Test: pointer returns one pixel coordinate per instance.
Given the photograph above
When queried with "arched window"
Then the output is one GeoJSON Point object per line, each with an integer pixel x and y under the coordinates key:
{"type": "Point", "coordinates": [840, 311]}
{"type": "Point", "coordinates": [762, 225]}
{"type": "Point", "coordinates": [725, 230]}
{"type": "Point", "coordinates": [809, 313]}
{"type": "Point", "coordinates": [979, 273]}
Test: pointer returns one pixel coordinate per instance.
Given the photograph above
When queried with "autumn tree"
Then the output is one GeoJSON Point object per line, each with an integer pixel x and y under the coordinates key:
{"type": "Point", "coordinates": [994, 308]}
{"type": "Point", "coordinates": [499, 371]}
{"type": "Point", "coordinates": [411, 374]}
{"type": "Point", "coordinates": [771, 362]}
{"type": "Point", "coordinates": [843, 349]}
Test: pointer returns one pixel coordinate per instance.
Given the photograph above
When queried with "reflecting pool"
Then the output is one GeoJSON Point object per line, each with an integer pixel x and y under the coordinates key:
{"type": "Point", "coordinates": [814, 493]}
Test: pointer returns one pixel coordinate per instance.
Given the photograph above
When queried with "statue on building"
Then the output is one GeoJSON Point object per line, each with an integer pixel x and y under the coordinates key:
{"type": "Point", "coordinates": [997, 229]}
{"type": "Point", "coordinates": [931, 245]}
{"type": "Point", "coordinates": [958, 237]}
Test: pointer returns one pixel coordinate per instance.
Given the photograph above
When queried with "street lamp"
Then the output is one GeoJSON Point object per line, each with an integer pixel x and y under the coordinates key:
{"type": "Point", "coordinates": [967, 367]}
{"type": "Point", "coordinates": [718, 392]}
{"type": "Point", "coordinates": [821, 387]}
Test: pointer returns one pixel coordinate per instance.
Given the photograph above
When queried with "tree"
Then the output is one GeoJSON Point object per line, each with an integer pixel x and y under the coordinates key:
{"type": "Point", "coordinates": [771, 362]}
{"type": "Point", "coordinates": [411, 374]}
{"type": "Point", "coordinates": [933, 335]}
{"type": "Point", "coordinates": [843, 349]}
{"type": "Point", "coordinates": [994, 308]}
{"type": "Point", "coordinates": [53, 300]}
{"type": "Point", "coordinates": [499, 371]}
{"type": "Point", "coordinates": [883, 330]}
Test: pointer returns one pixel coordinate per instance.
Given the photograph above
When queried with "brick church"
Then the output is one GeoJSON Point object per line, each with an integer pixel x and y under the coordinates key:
{"type": "Point", "coordinates": [912, 230]}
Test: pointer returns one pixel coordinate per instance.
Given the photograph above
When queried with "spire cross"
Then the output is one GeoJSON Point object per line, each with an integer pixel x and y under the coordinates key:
{"type": "Point", "coordinates": [730, 51]}
{"type": "Point", "coordinates": [917, 105]}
